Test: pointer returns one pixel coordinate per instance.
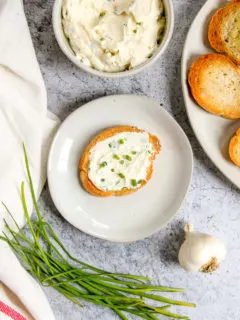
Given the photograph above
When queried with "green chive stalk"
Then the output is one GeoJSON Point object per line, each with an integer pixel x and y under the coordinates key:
{"type": "Point", "coordinates": [45, 257]}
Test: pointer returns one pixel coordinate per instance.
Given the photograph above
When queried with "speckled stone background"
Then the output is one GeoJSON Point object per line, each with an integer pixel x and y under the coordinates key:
{"type": "Point", "coordinates": [212, 203]}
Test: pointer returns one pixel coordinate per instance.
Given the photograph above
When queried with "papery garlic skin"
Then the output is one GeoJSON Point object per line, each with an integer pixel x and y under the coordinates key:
{"type": "Point", "coordinates": [201, 252]}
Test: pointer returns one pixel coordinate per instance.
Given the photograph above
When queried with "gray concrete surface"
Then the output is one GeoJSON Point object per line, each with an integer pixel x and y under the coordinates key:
{"type": "Point", "coordinates": [212, 203]}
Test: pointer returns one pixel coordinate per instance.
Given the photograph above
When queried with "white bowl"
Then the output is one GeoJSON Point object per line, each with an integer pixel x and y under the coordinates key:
{"type": "Point", "coordinates": [64, 45]}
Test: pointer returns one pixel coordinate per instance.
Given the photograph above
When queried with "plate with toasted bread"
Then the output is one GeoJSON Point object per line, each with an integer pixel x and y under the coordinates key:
{"type": "Point", "coordinates": [211, 83]}
{"type": "Point", "coordinates": [119, 168]}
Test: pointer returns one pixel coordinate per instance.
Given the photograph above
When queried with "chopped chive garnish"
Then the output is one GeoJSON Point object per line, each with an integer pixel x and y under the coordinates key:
{"type": "Point", "coordinates": [110, 145]}
{"type": "Point", "coordinates": [127, 157]}
{"type": "Point", "coordinates": [140, 181]}
{"type": "Point", "coordinates": [124, 188]}
{"type": "Point", "coordinates": [139, 23]}
{"type": "Point", "coordinates": [121, 141]}
{"type": "Point", "coordinates": [102, 180]}
{"type": "Point", "coordinates": [117, 182]}
{"type": "Point", "coordinates": [115, 156]}
{"type": "Point", "coordinates": [149, 152]}
{"type": "Point", "coordinates": [121, 162]}
{"type": "Point", "coordinates": [101, 39]}
{"type": "Point", "coordinates": [102, 13]}
{"type": "Point", "coordinates": [103, 164]}
{"type": "Point", "coordinates": [135, 31]}
{"type": "Point", "coordinates": [121, 175]}
{"type": "Point", "coordinates": [112, 170]}
{"type": "Point", "coordinates": [134, 152]}
{"type": "Point", "coordinates": [150, 56]}
{"type": "Point", "coordinates": [134, 182]}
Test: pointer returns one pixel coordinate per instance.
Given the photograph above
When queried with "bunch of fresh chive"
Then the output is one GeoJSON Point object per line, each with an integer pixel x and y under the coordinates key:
{"type": "Point", "coordinates": [46, 258]}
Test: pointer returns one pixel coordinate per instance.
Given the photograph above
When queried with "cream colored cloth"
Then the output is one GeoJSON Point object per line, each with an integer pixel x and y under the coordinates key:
{"type": "Point", "coordinates": [11, 300]}
{"type": "Point", "coordinates": [23, 118]}
{"type": "Point", "coordinates": [20, 291]}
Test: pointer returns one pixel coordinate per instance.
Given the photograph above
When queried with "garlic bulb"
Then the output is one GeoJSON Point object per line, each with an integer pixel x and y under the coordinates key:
{"type": "Point", "coordinates": [201, 252]}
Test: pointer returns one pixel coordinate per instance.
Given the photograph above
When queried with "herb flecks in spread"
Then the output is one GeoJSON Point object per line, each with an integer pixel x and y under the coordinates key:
{"type": "Point", "coordinates": [113, 36]}
{"type": "Point", "coordinates": [124, 165]}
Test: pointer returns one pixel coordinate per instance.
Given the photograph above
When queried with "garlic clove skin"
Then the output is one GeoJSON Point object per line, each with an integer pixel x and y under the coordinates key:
{"type": "Point", "coordinates": [201, 252]}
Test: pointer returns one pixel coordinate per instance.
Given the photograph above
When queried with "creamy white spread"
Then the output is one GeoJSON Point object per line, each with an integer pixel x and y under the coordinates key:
{"type": "Point", "coordinates": [113, 35]}
{"type": "Point", "coordinates": [121, 161]}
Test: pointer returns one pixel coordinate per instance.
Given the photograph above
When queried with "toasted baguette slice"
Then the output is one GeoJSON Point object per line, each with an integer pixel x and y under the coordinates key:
{"type": "Point", "coordinates": [215, 83]}
{"type": "Point", "coordinates": [234, 148]}
{"type": "Point", "coordinates": [85, 160]}
{"type": "Point", "coordinates": [224, 29]}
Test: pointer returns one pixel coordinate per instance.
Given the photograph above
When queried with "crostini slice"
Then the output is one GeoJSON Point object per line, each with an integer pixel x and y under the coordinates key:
{"type": "Point", "coordinates": [224, 30]}
{"type": "Point", "coordinates": [234, 148]}
{"type": "Point", "coordinates": [215, 83]}
{"type": "Point", "coordinates": [118, 161]}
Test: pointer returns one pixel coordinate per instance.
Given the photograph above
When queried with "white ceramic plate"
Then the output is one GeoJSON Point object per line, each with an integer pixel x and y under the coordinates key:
{"type": "Point", "coordinates": [213, 132]}
{"type": "Point", "coordinates": [131, 217]}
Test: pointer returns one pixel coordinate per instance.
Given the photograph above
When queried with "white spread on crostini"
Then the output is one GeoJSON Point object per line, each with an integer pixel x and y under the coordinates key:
{"type": "Point", "coordinates": [113, 35]}
{"type": "Point", "coordinates": [121, 161]}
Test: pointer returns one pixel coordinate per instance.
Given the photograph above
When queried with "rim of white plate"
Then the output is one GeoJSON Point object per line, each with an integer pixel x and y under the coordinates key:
{"type": "Point", "coordinates": [177, 207]}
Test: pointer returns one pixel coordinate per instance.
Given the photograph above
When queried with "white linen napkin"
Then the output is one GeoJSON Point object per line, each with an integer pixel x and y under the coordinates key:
{"type": "Point", "coordinates": [34, 304]}
{"type": "Point", "coordinates": [23, 118]}
{"type": "Point", "coordinates": [11, 306]}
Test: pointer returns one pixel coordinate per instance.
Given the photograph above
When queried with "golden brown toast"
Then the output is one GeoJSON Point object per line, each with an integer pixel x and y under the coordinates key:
{"type": "Point", "coordinates": [85, 159]}
{"type": "Point", "coordinates": [234, 148]}
{"type": "Point", "coordinates": [224, 30]}
{"type": "Point", "coordinates": [215, 83]}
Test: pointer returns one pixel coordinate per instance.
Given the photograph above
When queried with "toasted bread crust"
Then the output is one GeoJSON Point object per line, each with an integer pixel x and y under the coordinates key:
{"type": "Point", "coordinates": [214, 81]}
{"type": "Point", "coordinates": [214, 32]}
{"type": "Point", "coordinates": [84, 162]}
{"type": "Point", "coordinates": [218, 28]}
{"type": "Point", "coordinates": [234, 148]}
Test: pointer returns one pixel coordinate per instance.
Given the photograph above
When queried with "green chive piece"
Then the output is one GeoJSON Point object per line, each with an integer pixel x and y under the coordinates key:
{"type": "Point", "coordinates": [110, 145]}
{"type": "Point", "coordinates": [140, 181]}
{"type": "Point", "coordinates": [121, 175]}
{"type": "Point", "coordinates": [134, 152]}
{"type": "Point", "coordinates": [115, 156]}
{"type": "Point", "coordinates": [103, 164]}
{"type": "Point", "coordinates": [127, 157]}
{"type": "Point", "coordinates": [102, 180]}
{"type": "Point", "coordinates": [134, 182]}
{"type": "Point", "coordinates": [121, 162]}
{"type": "Point", "coordinates": [101, 39]}
{"type": "Point", "coordinates": [140, 23]}
{"type": "Point", "coordinates": [121, 141]}
{"type": "Point", "coordinates": [135, 31]}
{"type": "Point", "coordinates": [124, 188]}
{"type": "Point", "coordinates": [112, 170]}
{"type": "Point", "coordinates": [102, 14]}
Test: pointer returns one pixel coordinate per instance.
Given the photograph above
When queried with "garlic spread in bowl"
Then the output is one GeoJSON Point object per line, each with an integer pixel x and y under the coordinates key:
{"type": "Point", "coordinates": [113, 35]}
